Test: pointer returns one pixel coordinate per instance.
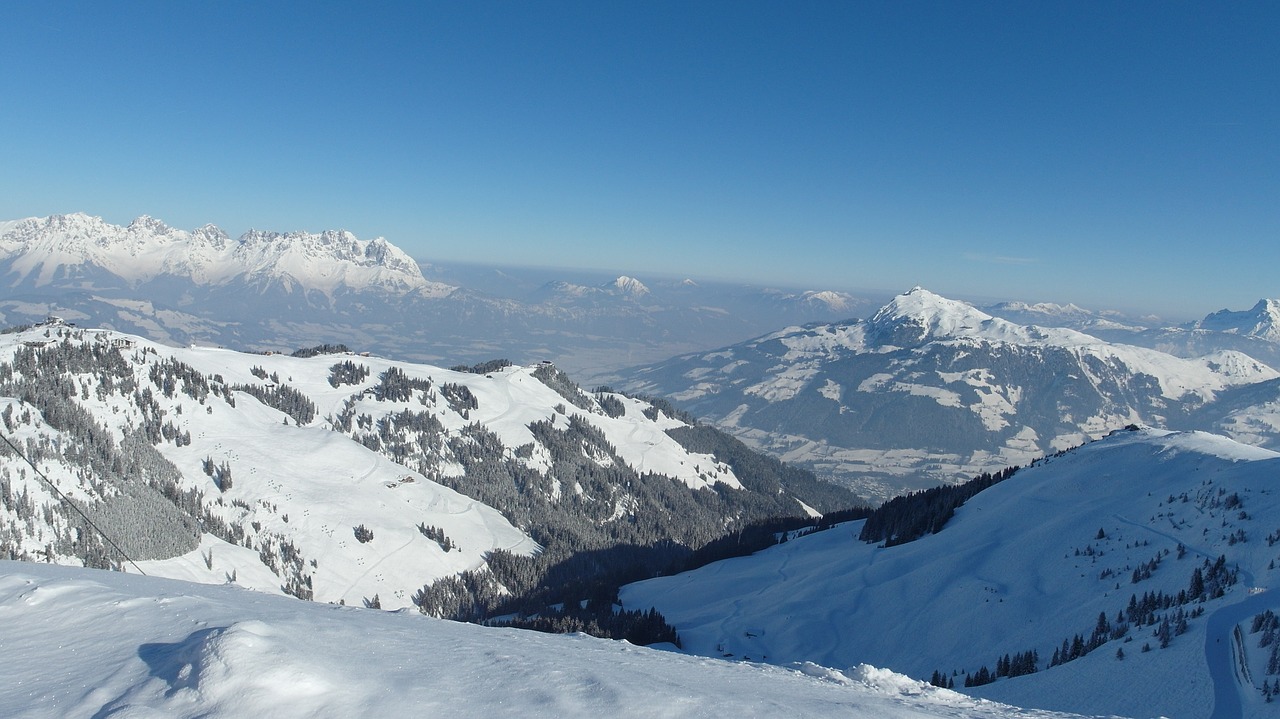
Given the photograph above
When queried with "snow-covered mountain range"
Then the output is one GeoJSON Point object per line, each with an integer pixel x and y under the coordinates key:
{"type": "Point", "coordinates": [1250, 331]}
{"type": "Point", "coordinates": [78, 248]}
{"type": "Point", "coordinates": [1122, 577]}
{"type": "Point", "coordinates": [83, 643]}
{"type": "Point", "coordinates": [271, 290]}
{"type": "Point", "coordinates": [1263, 321]}
{"type": "Point", "coordinates": [930, 389]}
{"type": "Point", "coordinates": [347, 478]}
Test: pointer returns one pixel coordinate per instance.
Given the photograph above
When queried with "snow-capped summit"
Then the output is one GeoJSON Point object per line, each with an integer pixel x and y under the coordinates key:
{"type": "Point", "coordinates": [629, 286]}
{"type": "Point", "coordinates": [933, 389]}
{"type": "Point", "coordinates": [1262, 321]}
{"type": "Point", "coordinates": [830, 299]}
{"type": "Point", "coordinates": [1046, 308]}
{"type": "Point", "coordinates": [148, 224]}
{"type": "Point", "coordinates": [1072, 316]}
{"type": "Point", "coordinates": [623, 286]}
{"type": "Point", "coordinates": [41, 250]}
{"type": "Point", "coordinates": [380, 252]}
{"type": "Point", "coordinates": [918, 315]}
{"type": "Point", "coordinates": [328, 260]}
{"type": "Point", "coordinates": [210, 235]}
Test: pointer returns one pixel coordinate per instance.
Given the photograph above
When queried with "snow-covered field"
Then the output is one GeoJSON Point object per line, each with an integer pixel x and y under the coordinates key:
{"type": "Point", "coordinates": [85, 643]}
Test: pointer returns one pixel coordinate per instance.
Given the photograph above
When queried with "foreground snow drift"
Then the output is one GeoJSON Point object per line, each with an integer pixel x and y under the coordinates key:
{"type": "Point", "coordinates": [84, 643]}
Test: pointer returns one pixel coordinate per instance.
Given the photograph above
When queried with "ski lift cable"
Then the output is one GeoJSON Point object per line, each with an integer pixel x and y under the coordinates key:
{"type": "Point", "coordinates": [67, 501]}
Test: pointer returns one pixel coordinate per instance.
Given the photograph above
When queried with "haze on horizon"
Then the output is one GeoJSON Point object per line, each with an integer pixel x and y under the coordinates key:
{"type": "Point", "coordinates": [1114, 156]}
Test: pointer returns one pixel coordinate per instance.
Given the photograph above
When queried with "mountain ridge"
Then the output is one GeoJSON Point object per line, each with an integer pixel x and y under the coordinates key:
{"type": "Point", "coordinates": [345, 477]}
{"type": "Point", "coordinates": [931, 389]}
{"type": "Point", "coordinates": [1262, 321]}
{"type": "Point", "coordinates": [43, 249]}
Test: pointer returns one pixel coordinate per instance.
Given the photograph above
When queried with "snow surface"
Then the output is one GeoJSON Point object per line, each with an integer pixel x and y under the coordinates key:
{"type": "Point", "coordinates": [1018, 568]}
{"type": "Point", "coordinates": [85, 643]}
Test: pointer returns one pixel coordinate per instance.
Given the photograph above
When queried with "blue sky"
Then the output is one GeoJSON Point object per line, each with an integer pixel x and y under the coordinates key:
{"type": "Point", "coordinates": [1110, 154]}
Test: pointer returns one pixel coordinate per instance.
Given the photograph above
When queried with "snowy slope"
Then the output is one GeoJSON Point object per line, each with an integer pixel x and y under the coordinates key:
{"type": "Point", "coordinates": [80, 643]}
{"type": "Point", "coordinates": [282, 458]}
{"type": "Point", "coordinates": [295, 491]}
{"type": "Point", "coordinates": [930, 389]}
{"type": "Point", "coordinates": [1022, 567]}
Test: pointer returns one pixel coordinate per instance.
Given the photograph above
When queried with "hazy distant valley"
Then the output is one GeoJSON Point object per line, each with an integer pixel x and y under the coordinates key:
{"type": "Point", "coordinates": [279, 291]}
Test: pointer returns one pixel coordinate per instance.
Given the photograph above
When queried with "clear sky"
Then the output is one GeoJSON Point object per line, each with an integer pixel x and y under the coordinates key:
{"type": "Point", "coordinates": [1113, 154]}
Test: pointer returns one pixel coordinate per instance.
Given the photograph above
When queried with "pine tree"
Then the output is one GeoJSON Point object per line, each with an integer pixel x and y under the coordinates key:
{"type": "Point", "coordinates": [1196, 590]}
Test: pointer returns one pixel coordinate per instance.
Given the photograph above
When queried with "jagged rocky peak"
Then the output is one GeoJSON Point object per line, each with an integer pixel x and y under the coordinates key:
{"type": "Point", "coordinates": [342, 240]}
{"type": "Point", "coordinates": [69, 220]}
{"type": "Point", "coordinates": [380, 252]}
{"type": "Point", "coordinates": [333, 244]}
{"type": "Point", "coordinates": [75, 225]}
{"type": "Point", "coordinates": [211, 235]}
{"type": "Point", "coordinates": [39, 250]}
{"type": "Point", "coordinates": [71, 239]}
{"type": "Point", "coordinates": [149, 224]}
{"type": "Point", "coordinates": [256, 236]}
{"type": "Point", "coordinates": [1262, 321]}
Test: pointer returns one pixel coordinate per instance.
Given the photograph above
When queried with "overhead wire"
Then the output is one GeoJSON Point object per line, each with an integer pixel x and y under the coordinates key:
{"type": "Point", "coordinates": [72, 505]}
